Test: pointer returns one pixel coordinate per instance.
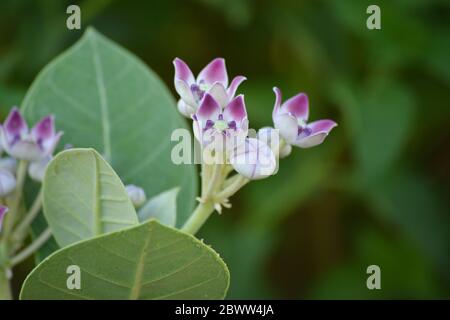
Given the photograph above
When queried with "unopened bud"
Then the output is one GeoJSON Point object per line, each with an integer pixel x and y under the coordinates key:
{"type": "Point", "coordinates": [136, 194]}
{"type": "Point", "coordinates": [285, 151]}
{"type": "Point", "coordinates": [7, 182]}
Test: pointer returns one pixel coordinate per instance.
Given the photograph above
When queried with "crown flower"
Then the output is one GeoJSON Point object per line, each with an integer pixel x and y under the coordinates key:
{"type": "Point", "coordinates": [213, 79]}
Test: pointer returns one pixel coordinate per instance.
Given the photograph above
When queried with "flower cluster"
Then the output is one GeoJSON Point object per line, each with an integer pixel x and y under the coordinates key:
{"type": "Point", "coordinates": [33, 146]}
{"type": "Point", "coordinates": [221, 125]}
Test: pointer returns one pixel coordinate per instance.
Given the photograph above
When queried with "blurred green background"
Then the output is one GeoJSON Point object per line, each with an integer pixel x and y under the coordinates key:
{"type": "Point", "coordinates": [376, 192]}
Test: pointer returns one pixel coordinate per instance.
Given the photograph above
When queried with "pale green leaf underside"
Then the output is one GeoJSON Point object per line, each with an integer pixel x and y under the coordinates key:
{"type": "Point", "coordinates": [105, 98]}
{"type": "Point", "coordinates": [162, 207]}
{"type": "Point", "coordinates": [148, 261]}
{"type": "Point", "coordinates": [84, 197]}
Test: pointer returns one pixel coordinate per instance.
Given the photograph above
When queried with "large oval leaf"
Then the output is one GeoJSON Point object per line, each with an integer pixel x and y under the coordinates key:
{"type": "Point", "coordinates": [84, 197]}
{"type": "Point", "coordinates": [104, 97]}
{"type": "Point", "coordinates": [148, 261]}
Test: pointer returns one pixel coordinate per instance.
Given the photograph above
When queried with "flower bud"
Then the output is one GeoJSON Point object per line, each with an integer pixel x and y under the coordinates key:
{"type": "Point", "coordinates": [3, 211]}
{"type": "Point", "coordinates": [285, 151]}
{"type": "Point", "coordinates": [271, 137]}
{"type": "Point", "coordinates": [9, 164]}
{"type": "Point", "coordinates": [36, 170]}
{"type": "Point", "coordinates": [254, 160]}
{"type": "Point", "coordinates": [136, 194]}
{"type": "Point", "coordinates": [7, 182]}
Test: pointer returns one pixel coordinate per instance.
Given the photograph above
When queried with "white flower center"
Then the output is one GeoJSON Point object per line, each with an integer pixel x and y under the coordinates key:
{"type": "Point", "coordinates": [204, 87]}
{"type": "Point", "coordinates": [220, 125]}
{"type": "Point", "coordinates": [301, 123]}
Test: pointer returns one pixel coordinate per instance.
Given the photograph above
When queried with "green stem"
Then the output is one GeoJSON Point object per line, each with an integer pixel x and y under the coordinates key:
{"type": "Point", "coordinates": [20, 231]}
{"type": "Point", "coordinates": [198, 217]}
{"type": "Point", "coordinates": [14, 207]}
{"type": "Point", "coordinates": [215, 180]}
{"type": "Point", "coordinates": [205, 175]}
{"type": "Point", "coordinates": [5, 287]}
{"type": "Point", "coordinates": [35, 245]}
{"type": "Point", "coordinates": [232, 188]}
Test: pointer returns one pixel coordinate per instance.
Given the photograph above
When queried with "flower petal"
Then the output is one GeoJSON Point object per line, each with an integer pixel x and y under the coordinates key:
{"type": "Point", "coordinates": [184, 90]}
{"type": "Point", "coordinates": [185, 109]}
{"type": "Point", "coordinates": [44, 129]}
{"type": "Point", "coordinates": [235, 110]}
{"type": "Point", "coordinates": [215, 71]}
{"type": "Point", "coordinates": [8, 163]}
{"type": "Point", "coordinates": [219, 94]}
{"type": "Point", "coordinates": [182, 71]}
{"type": "Point", "coordinates": [7, 182]}
{"type": "Point", "coordinates": [36, 169]}
{"type": "Point", "coordinates": [254, 159]}
{"type": "Point", "coordinates": [288, 127]}
{"type": "Point", "coordinates": [3, 211]}
{"type": "Point", "coordinates": [322, 126]}
{"type": "Point", "coordinates": [277, 105]}
{"type": "Point", "coordinates": [235, 83]}
{"type": "Point", "coordinates": [209, 110]}
{"type": "Point", "coordinates": [271, 137]}
{"type": "Point", "coordinates": [25, 150]}
{"type": "Point", "coordinates": [310, 141]}
{"type": "Point", "coordinates": [297, 105]}
{"type": "Point", "coordinates": [15, 126]}
{"type": "Point", "coordinates": [49, 145]}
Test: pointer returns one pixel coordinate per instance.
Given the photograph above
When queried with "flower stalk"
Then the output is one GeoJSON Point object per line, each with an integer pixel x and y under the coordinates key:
{"type": "Point", "coordinates": [5, 287]}
{"type": "Point", "coordinates": [19, 232]}
{"type": "Point", "coordinates": [10, 219]}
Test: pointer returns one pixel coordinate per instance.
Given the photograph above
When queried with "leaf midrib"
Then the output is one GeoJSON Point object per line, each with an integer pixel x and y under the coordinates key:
{"type": "Point", "coordinates": [103, 101]}
{"type": "Point", "coordinates": [137, 284]}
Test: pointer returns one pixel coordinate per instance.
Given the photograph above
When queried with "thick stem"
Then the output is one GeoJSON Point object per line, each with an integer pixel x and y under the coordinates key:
{"type": "Point", "coordinates": [205, 175]}
{"type": "Point", "coordinates": [5, 287]}
{"type": "Point", "coordinates": [198, 217]}
{"type": "Point", "coordinates": [215, 180]}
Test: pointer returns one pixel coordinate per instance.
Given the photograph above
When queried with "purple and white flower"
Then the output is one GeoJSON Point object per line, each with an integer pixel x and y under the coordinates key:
{"type": "Point", "coordinates": [217, 129]}
{"type": "Point", "coordinates": [7, 182]}
{"type": "Point", "coordinates": [291, 117]}
{"type": "Point", "coordinates": [254, 159]}
{"type": "Point", "coordinates": [36, 169]}
{"type": "Point", "coordinates": [21, 143]}
{"type": "Point", "coordinates": [8, 163]}
{"type": "Point", "coordinates": [271, 137]}
{"type": "Point", "coordinates": [3, 211]}
{"type": "Point", "coordinates": [213, 79]}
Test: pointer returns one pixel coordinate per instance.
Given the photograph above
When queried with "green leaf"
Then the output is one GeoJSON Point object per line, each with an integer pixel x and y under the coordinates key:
{"type": "Point", "coordinates": [379, 118]}
{"type": "Point", "coordinates": [162, 207]}
{"type": "Point", "coordinates": [150, 261]}
{"type": "Point", "coordinates": [84, 197]}
{"type": "Point", "coordinates": [105, 98]}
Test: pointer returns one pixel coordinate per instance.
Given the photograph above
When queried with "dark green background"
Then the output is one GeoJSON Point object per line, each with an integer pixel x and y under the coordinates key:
{"type": "Point", "coordinates": [376, 192]}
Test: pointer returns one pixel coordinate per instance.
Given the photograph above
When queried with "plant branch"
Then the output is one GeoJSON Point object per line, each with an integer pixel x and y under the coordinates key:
{"type": "Point", "coordinates": [232, 188]}
{"type": "Point", "coordinates": [21, 229]}
{"type": "Point", "coordinates": [33, 247]}
{"type": "Point", "coordinates": [5, 287]}
{"type": "Point", "coordinates": [14, 208]}
{"type": "Point", "coordinates": [198, 217]}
